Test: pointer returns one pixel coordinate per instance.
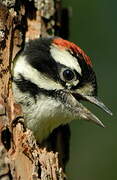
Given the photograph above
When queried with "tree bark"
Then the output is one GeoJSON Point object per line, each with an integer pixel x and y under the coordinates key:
{"type": "Point", "coordinates": [20, 156]}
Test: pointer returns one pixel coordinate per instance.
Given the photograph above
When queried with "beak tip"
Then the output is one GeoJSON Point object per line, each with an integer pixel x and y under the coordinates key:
{"type": "Point", "coordinates": [107, 110]}
{"type": "Point", "coordinates": [101, 124]}
{"type": "Point", "coordinates": [111, 113]}
{"type": "Point", "coordinates": [96, 101]}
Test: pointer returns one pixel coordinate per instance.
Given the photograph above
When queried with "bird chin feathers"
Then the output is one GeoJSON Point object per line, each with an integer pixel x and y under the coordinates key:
{"type": "Point", "coordinates": [45, 115]}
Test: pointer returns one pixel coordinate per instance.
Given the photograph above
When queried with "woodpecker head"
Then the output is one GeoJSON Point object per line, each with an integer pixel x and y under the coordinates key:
{"type": "Point", "coordinates": [56, 70]}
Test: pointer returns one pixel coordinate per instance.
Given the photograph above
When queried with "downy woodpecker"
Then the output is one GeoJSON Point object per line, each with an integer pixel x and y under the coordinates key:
{"type": "Point", "coordinates": [51, 76]}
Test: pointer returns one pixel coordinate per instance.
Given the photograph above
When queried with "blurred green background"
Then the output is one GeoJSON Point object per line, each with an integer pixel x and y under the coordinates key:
{"type": "Point", "coordinates": [93, 151]}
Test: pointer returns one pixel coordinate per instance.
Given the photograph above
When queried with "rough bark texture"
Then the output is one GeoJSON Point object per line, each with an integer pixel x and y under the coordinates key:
{"type": "Point", "coordinates": [20, 156]}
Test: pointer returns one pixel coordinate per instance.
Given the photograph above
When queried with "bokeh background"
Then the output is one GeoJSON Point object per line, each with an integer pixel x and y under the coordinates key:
{"type": "Point", "coordinates": [93, 151]}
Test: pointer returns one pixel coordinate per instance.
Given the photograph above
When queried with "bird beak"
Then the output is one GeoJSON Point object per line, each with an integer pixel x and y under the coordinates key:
{"type": "Point", "coordinates": [84, 113]}
{"type": "Point", "coordinates": [97, 102]}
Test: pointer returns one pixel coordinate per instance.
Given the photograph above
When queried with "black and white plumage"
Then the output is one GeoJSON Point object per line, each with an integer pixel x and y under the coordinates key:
{"type": "Point", "coordinates": [50, 77]}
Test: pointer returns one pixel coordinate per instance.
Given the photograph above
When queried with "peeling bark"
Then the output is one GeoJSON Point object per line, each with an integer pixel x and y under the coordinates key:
{"type": "Point", "coordinates": [20, 156]}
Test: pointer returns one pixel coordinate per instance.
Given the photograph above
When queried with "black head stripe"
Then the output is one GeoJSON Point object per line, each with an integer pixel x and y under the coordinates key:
{"type": "Point", "coordinates": [26, 86]}
{"type": "Point", "coordinates": [38, 55]}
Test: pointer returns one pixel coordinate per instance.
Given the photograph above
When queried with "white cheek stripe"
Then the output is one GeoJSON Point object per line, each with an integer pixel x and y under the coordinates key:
{"type": "Point", "coordinates": [30, 73]}
{"type": "Point", "coordinates": [64, 57]}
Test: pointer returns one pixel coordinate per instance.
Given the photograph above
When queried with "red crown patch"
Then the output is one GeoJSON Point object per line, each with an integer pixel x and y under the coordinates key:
{"type": "Point", "coordinates": [73, 47]}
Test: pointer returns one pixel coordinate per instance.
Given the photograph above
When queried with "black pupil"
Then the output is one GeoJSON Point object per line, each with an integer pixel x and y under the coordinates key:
{"type": "Point", "coordinates": [68, 75]}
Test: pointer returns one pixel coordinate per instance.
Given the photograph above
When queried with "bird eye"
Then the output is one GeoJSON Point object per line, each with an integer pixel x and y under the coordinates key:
{"type": "Point", "coordinates": [68, 75]}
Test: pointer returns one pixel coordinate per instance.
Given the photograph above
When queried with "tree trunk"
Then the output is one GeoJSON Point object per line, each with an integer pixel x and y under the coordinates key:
{"type": "Point", "coordinates": [20, 156]}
